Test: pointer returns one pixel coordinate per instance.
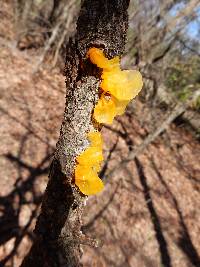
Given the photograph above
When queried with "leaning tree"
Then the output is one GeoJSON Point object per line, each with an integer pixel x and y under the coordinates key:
{"type": "Point", "coordinates": [102, 24]}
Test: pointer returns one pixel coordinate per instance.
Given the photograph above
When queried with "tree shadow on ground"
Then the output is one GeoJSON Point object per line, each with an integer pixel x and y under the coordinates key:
{"type": "Point", "coordinates": [11, 204]}
{"type": "Point", "coordinates": [163, 246]}
{"type": "Point", "coordinates": [184, 242]}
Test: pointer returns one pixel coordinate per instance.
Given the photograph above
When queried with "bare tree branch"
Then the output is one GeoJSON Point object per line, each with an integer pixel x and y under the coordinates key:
{"type": "Point", "coordinates": [57, 232]}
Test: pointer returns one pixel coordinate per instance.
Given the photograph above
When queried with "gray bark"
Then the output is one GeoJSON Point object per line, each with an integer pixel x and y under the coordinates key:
{"type": "Point", "coordinates": [57, 241]}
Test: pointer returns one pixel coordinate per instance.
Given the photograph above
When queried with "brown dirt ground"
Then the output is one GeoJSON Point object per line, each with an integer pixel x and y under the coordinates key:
{"type": "Point", "coordinates": [149, 212]}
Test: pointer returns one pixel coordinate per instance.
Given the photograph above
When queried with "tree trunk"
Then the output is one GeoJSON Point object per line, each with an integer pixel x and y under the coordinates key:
{"type": "Point", "coordinates": [101, 23]}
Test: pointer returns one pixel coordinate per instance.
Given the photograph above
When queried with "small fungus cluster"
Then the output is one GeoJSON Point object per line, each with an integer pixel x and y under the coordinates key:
{"type": "Point", "coordinates": [86, 177]}
{"type": "Point", "coordinates": [118, 88]}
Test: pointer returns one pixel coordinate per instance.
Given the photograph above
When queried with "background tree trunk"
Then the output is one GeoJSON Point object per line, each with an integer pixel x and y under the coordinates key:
{"type": "Point", "coordinates": [57, 234]}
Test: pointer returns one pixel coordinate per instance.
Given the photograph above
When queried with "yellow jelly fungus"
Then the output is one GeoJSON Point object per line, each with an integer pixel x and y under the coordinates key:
{"type": "Point", "coordinates": [96, 167]}
{"type": "Point", "coordinates": [91, 155]}
{"type": "Point", "coordinates": [95, 139]}
{"type": "Point", "coordinates": [97, 57]}
{"type": "Point", "coordinates": [105, 110]}
{"type": "Point", "coordinates": [120, 106]}
{"type": "Point", "coordinates": [87, 180]}
{"type": "Point", "coordinates": [119, 87]}
{"type": "Point", "coordinates": [122, 86]}
{"type": "Point", "coordinates": [86, 177]}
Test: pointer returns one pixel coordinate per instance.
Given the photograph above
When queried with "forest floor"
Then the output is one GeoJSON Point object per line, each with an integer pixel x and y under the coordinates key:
{"type": "Point", "coordinates": [148, 215]}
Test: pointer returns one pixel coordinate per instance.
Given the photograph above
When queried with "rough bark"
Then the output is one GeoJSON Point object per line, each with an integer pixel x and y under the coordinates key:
{"type": "Point", "coordinates": [101, 23]}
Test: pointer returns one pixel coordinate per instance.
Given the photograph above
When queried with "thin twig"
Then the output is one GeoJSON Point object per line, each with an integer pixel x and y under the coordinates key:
{"type": "Point", "coordinates": [64, 16]}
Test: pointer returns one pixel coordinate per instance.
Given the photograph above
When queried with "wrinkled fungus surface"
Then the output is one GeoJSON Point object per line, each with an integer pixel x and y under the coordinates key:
{"type": "Point", "coordinates": [86, 171]}
{"type": "Point", "coordinates": [121, 85]}
{"type": "Point", "coordinates": [118, 87]}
